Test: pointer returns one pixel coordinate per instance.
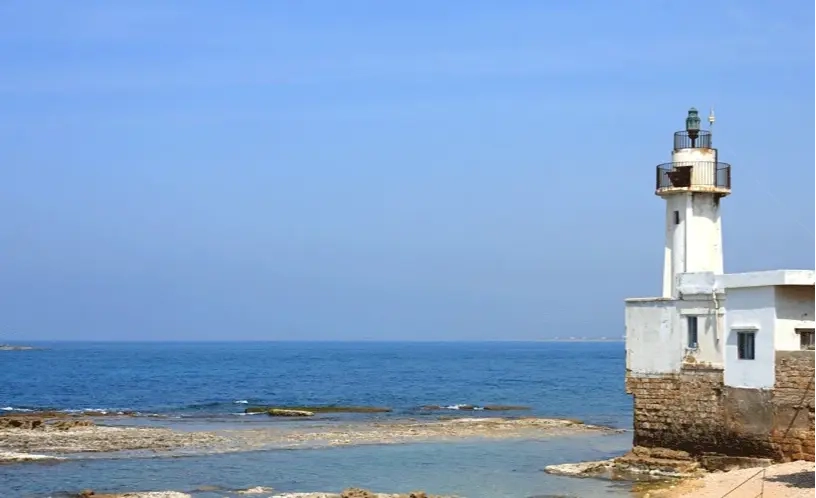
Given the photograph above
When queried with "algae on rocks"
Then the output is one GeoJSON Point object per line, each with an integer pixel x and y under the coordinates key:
{"type": "Point", "coordinates": [318, 409]}
{"type": "Point", "coordinates": [278, 412]}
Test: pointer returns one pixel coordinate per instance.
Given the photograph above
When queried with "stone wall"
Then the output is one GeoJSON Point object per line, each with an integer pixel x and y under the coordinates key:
{"type": "Point", "coordinates": [694, 411]}
{"type": "Point", "coordinates": [793, 403]}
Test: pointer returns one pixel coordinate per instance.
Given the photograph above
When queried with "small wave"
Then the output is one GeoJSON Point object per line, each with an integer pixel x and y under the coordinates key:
{"type": "Point", "coordinates": [84, 411]}
{"type": "Point", "coordinates": [207, 405]}
{"type": "Point", "coordinates": [13, 409]}
{"type": "Point", "coordinates": [468, 407]}
{"type": "Point", "coordinates": [463, 407]}
{"type": "Point", "coordinates": [100, 411]}
{"type": "Point", "coordinates": [460, 407]}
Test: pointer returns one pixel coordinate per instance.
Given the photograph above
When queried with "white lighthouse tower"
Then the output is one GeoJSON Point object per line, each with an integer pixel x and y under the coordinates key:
{"type": "Point", "coordinates": [711, 362]}
{"type": "Point", "coordinates": [692, 185]}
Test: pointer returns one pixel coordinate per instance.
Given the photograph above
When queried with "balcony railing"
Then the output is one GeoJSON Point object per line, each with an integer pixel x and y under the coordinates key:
{"type": "Point", "coordinates": [701, 174]}
{"type": "Point", "coordinates": [684, 140]}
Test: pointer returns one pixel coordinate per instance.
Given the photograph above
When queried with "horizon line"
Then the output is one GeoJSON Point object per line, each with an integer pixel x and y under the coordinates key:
{"type": "Point", "coordinates": [429, 341]}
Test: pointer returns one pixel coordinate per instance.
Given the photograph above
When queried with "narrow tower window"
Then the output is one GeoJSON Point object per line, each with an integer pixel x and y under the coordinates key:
{"type": "Point", "coordinates": [692, 332]}
{"type": "Point", "coordinates": [677, 217]}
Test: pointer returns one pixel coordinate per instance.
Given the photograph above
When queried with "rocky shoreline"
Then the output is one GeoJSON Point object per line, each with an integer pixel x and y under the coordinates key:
{"type": "Point", "coordinates": [265, 492]}
{"type": "Point", "coordinates": [637, 465]}
{"type": "Point", "coordinates": [660, 472]}
{"type": "Point", "coordinates": [38, 436]}
{"type": "Point", "coordinates": [655, 463]}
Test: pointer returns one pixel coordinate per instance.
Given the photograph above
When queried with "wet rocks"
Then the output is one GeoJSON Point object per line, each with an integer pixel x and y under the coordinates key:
{"type": "Point", "coordinates": [364, 493]}
{"type": "Point", "coordinates": [505, 408]}
{"type": "Point", "coordinates": [654, 463]}
{"type": "Point", "coordinates": [21, 423]}
{"type": "Point", "coordinates": [638, 464]}
{"type": "Point", "coordinates": [89, 493]}
{"type": "Point", "coordinates": [279, 412]}
{"type": "Point", "coordinates": [43, 421]}
{"type": "Point", "coordinates": [65, 425]}
{"type": "Point", "coordinates": [319, 409]}
{"type": "Point", "coordinates": [347, 493]}
{"type": "Point", "coordinates": [357, 493]}
{"type": "Point", "coordinates": [256, 490]}
{"type": "Point", "coordinates": [81, 439]}
{"type": "Point", "coordinates": [13, 457]}
{"type": "Point", "coordinates": [582, 469]}
{"type": "Point", "coordinates": [723, 463]}
{"type": "Point", "coordinates": [78, 436]}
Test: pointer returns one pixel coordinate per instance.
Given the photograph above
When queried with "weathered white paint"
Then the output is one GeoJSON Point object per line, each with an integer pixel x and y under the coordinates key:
{"type": "Point", "coordinates": [767, 278]}
{"type": "Point", "coordinates": [702, 283]}
{"type": "Point", "coordinates": [654, 341]}
{"type": "Point", "coordinates": [704, 250]}
{"type": "Point", "coordinates": [794, 309]}
{"type": "Point", "coordinates": [750, 308]}
{"type": "Point", "coordinates": [708, 282]}
{"type": "Point", "coordinates": [694, 241]}
{"type": "Point", "coordinates": [675, 248]}
{"type": "Point", "coordinates": [694, 155]}
{"type": "Point", "coordinates": [772, 304]}
{"type": "Point", "coordinates": [710, 325]}
{"type": "Point", "coordinates": [705, 169]}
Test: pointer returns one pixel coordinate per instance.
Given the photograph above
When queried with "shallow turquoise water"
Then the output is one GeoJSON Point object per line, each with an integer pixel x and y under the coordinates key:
{"type": "Point", "coordinates": [476, 469]}
{"type": "Point", "coordinates": [199, 385]}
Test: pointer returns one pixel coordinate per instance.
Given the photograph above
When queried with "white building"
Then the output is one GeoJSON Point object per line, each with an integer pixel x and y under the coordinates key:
{"type": "Point", "coordinates": [705, 318]}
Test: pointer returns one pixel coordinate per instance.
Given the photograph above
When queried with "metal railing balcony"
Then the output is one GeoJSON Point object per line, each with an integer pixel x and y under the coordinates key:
{"type": "Point", "coordinates": [694, 175]}
{"type": "Point", "coordinates": [685, 139]}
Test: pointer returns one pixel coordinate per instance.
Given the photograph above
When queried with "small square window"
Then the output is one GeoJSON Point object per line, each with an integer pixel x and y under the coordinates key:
{"type": "Point", "coordinates": [745, 345]}
{"type": "Point", "coordinates": [806, 339]}
{"type": "Point", "coordinates": [692, 331]}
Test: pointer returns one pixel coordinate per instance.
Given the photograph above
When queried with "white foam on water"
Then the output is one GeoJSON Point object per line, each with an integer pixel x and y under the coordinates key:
{"type": "Point", "coordinates": [12, 409]}
{"type": "Point", "coordinates": [13, 456]}
{"type": "Point", "coordinates": [459, 407]}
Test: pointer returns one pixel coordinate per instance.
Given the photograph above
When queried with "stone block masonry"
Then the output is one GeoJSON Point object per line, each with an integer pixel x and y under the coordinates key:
{"type": "Point", "coordinates": [694, 411]}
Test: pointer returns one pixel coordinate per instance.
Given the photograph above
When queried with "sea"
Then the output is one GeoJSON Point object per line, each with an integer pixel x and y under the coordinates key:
{"type": "Point", "coordinates": [208, 385]}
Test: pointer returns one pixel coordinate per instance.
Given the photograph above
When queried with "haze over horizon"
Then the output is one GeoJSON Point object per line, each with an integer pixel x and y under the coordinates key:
{"type": "Point", "coordinates": [312, 170]}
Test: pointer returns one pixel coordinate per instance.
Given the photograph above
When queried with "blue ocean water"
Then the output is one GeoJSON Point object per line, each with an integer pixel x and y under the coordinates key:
{"type": "Point", "coordinates": [215, 381]}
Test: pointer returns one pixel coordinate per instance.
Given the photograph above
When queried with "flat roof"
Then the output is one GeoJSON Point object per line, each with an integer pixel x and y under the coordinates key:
{"type": "Point", "coordinates": [770, 278]}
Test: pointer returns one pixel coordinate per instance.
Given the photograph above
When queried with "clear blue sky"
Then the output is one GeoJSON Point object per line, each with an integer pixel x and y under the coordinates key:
{"type": "Point", "coordinates": [380, 170]}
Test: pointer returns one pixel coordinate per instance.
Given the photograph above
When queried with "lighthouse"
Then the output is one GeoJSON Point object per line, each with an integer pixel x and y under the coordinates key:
{"type": "Point", "coordinates": [720, 362]}
{"type": "Point", "coordinates": [692, 184]}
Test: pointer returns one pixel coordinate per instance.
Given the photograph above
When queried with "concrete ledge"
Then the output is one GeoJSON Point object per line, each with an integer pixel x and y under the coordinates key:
{"type": "Point", "coordinates": [707, 283]}
{"type": "Point", "coordinates": [646, 300]}
{"type": "Point", "coordinates": [768, 278]}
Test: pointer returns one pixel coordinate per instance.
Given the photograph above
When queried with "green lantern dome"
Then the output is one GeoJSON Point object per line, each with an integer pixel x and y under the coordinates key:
{"type": "Point", "coordinates": [693, 120]}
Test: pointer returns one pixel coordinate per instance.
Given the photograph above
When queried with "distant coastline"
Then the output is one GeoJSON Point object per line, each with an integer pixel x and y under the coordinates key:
{"type": "Point", "coordinates": [17, 347]}
{"type": "Point", "coordinates": [582, 339]}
